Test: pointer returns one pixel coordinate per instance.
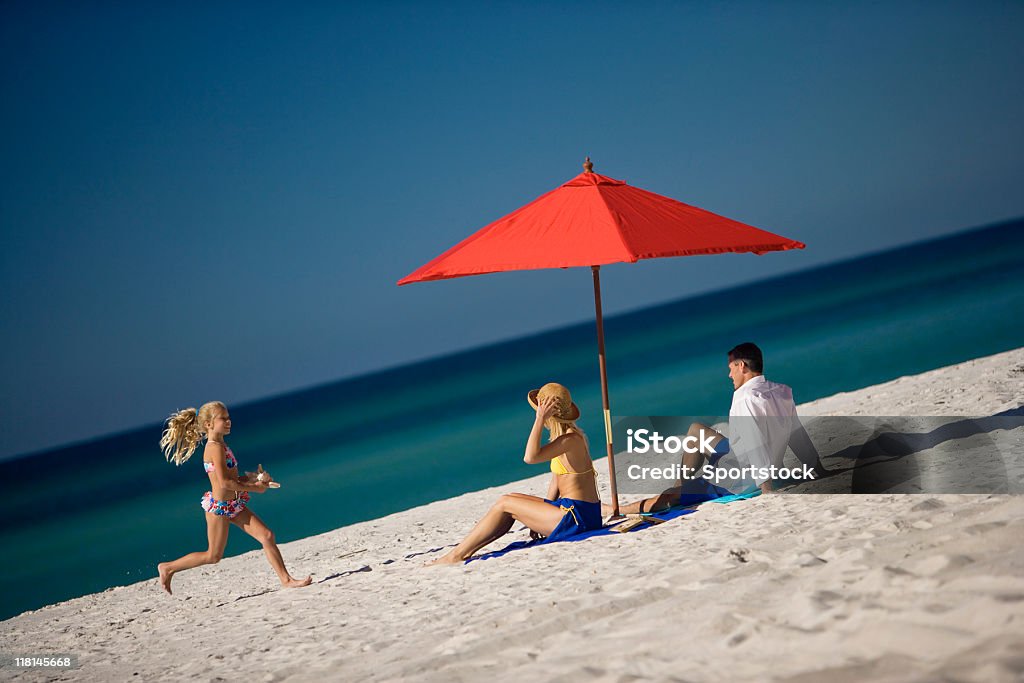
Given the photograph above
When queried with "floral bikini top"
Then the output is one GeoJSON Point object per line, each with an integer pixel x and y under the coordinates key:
{"type": "Point", "coordinates": [229, 459]}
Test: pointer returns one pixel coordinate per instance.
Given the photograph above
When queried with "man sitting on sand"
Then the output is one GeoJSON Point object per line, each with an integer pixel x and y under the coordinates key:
{"type": "Point", "coordinates": [762, 422]}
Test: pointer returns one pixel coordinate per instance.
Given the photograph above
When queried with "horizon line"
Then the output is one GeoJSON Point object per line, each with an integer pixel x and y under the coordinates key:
{"type": "Point", "coordinates": [405, 365]}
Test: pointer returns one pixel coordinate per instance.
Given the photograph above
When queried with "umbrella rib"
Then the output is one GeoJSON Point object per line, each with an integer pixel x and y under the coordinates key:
{"type": "Point", "coordinates": [630, 256]}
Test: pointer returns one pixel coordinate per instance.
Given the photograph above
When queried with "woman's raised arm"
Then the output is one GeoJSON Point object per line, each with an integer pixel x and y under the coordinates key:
{"type": "Point", "coordinates": [534, 451]}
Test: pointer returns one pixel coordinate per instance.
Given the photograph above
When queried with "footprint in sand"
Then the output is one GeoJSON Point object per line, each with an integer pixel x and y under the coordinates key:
{"type": "Point", "coordinates": [809, 560]}
{"type": "Point", "coordinates": [931, 566]}
{"type": "Point", "coordinates": [826, 598]}
{"type": "Point", "coordinates": [927, 505]}
{"type": "Point", "coordinates": [983, 528]}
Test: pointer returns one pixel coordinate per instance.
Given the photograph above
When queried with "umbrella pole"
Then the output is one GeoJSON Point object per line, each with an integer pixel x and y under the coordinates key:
{"type": "Point", "coordinates": [604, 388]}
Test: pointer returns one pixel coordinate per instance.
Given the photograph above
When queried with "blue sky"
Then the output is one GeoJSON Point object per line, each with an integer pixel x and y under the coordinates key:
{"type": "Point", "coordinates": [208, 200]}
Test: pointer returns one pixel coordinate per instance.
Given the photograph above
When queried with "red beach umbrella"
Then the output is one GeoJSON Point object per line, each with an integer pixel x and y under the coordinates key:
{"type": "Point", "coordinates": [593, 220]}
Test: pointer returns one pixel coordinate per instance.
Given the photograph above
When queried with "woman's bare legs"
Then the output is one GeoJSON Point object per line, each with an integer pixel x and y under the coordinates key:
{"type": "Point", "coordinates": [530, 510]}
{"type": "Point", "coordinates": [216, 536]}
{"type": "Point", "coordinates": [248, 522]}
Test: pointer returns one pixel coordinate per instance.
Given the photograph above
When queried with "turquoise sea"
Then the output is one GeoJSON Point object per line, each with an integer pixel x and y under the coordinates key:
{"type": "Point", "coordinates": [81, 519]}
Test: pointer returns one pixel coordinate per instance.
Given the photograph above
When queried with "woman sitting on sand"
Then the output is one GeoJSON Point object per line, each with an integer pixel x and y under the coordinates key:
{"type": "Point", "coordinates": [572, 504]}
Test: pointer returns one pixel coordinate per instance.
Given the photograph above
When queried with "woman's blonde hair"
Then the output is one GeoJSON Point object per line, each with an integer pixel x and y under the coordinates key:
{"type": "Point", "coordinates": [185, 429]}
{"type": "Point", "coordinates": [557, 429]}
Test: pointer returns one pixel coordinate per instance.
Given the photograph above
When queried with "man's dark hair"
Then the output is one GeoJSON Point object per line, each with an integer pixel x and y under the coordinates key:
{"type": "Point", "coordinates": [749, 354]}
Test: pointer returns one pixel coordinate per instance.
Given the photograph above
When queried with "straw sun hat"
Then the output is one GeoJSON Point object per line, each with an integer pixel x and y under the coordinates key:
{"type": "Point", "coordinates": [566, 410]}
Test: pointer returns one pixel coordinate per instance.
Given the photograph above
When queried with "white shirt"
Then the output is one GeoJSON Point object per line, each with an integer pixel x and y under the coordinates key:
{"type": "Point", "coordinates": [762, 422]}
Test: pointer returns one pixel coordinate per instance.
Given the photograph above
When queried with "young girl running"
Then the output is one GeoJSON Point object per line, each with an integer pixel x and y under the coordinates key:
{"type": "Point", "coordinates": [227, 502]}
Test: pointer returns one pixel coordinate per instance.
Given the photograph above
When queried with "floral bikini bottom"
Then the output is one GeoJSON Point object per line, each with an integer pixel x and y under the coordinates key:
{"type": "Point", "coordinates": [225, 508]}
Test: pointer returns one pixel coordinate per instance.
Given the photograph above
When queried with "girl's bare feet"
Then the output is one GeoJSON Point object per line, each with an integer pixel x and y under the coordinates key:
{"type": "Point", "coordinates": [297, 583]}
{"type": "Point", "coordinates": [165, 576]}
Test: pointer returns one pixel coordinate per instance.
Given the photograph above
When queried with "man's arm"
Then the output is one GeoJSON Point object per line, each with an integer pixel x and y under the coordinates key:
{"type": "Point", "coordinates": [748, 439]}
{"type": "Point", "coordinates": [802, 446]}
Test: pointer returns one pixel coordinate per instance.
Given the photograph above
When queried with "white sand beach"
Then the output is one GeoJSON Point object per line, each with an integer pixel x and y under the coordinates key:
{"type": "Point", "coordinates": [785, 587]}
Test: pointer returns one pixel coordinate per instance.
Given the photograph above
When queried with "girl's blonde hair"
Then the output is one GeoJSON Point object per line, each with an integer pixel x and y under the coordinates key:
{"type": "Point", "coordinates": [185, 429]}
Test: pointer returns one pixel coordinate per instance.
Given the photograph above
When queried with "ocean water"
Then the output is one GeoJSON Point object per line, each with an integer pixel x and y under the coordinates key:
{"type": "Point", "coordinates": [366, 447]}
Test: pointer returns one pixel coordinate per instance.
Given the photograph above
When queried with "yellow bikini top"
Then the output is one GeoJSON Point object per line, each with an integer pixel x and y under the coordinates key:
{"type": "Point", "coordinates": [558, 468]}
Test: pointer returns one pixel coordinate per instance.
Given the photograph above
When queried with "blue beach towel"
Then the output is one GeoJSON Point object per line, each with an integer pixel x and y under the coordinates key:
{"type": "Point", "coordinates": [559, 534]}
{"type": "Point", "coordinates": [737, 496]}
{"type": "Point", "coordinates": [567, 531]}
{"type": "Point", "coordinates": [697, 491]}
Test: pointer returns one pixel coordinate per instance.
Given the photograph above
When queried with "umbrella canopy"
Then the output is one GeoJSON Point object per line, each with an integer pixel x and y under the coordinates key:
{"type": "Point", "coordinates": [593, 220]}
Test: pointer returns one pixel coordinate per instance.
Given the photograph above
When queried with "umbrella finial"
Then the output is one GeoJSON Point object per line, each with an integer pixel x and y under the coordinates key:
{"type": "Point", "coordinates": [587, 166]}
